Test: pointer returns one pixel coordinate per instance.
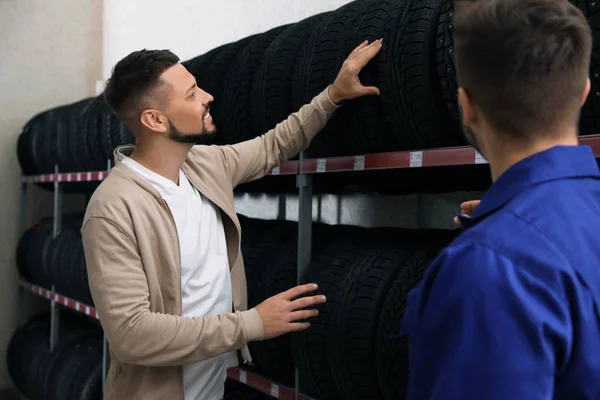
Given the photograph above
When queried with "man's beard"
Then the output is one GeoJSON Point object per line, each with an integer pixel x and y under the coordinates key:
{"type": "Point", "coordinates": [204, 137]}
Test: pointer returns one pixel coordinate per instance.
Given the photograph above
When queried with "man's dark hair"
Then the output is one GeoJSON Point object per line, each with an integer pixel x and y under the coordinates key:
{"type": "Point", "coordinates": [135, 77]}
{"type": "Point", "coordinates": [525, 63]}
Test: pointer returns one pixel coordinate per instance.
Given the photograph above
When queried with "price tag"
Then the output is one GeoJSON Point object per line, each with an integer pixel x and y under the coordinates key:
{"type": "Point", "coordinates": [275, 390]}
{"type": "Point", "coordinates": [321, 165]}
{"type": "Point", "coordinates": [276, 171]}
{"type": "Point", "coordinates": [243, 377]}
{"type": "Point", "coordinates": [359, 163]}
{"type": "Point", "coordinates": [416, 159]}
{"type": "Point", "coordinates": [479, 159]}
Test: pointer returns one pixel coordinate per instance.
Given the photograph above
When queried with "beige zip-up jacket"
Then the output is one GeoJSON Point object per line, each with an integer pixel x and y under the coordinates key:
{"type": "Point", "coordinates": [132, 255]}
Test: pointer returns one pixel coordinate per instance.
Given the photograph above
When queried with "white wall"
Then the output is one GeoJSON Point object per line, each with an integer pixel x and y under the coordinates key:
{"type": "Point", "coordinates": [51, 54]}
{"type": "Point", "coordinates": [192, 27]}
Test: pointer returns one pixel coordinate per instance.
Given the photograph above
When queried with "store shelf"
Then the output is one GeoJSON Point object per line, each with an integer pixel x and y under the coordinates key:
{"type": "Point", "coordinates": [264, 385]}
{"type": "Point", "coordinates": [451, 156]}
{"type": "Point", "coordinates": [62, 300]}
{"type": "Point", "coordinates": [91, 176]}
{"type": "Point", "coordinates": [248, 378]}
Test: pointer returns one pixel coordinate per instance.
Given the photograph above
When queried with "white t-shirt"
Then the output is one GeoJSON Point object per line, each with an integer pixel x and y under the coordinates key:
{"type": "Point", "coordinates": [205, 275]}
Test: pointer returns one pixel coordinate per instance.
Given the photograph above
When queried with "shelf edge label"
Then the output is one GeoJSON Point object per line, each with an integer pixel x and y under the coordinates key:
{"type": "Point", "coordinates": [416, 159]}
{"type": "Point", "coordinates": [321, 165]}
{"type": "Point", "coordinates": [359, 163]}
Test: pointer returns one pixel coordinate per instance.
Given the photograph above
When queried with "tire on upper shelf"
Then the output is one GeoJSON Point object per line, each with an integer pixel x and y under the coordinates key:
{"type": "Point", "coordinates": [271, 88]}
{"type": "Point", "coordinates": [236, 105]}
{"type": "Point", "coordinates": [589, 122]}
{"type": "Point", "coordinates": [213, 80]}
{"type": "Point", "coordinates": [427, 117]}
{"type": "Point", "coordinates": [363, 117]}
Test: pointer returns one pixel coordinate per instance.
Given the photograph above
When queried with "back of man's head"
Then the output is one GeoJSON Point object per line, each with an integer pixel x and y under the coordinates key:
{"type": "Point", "coordinates": [136, 83]}
{"type": "Point", "coordinates": [523, 63]}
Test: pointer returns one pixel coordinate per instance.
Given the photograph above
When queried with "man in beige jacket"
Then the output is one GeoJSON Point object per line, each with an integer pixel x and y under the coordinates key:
{"type": "Point", "coordinates": [162, 239]}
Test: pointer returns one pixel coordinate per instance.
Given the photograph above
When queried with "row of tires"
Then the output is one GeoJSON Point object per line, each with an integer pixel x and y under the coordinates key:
{"type": "Point", "coordinates": [259, 80]}
{"type": "Point", "coordinates": [73, 369]}
{"type": "Point", "coordinates": [60, 262]}
{"type": "Point", "coordinates": [365, 273]}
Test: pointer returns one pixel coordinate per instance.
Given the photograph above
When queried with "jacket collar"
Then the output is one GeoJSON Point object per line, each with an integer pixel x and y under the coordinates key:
{"type": "Point", "coordinates": [560, 162]}
{"type": "Point", "coordinates": [121, 169]}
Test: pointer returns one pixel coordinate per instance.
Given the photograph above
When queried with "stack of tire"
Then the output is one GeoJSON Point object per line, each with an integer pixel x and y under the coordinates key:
{"type": "Point", "coordinates": [259, 80]}
{"type": "Point", "coordinates": [72, 371]}
{"type": "Point", "coordinates": [366, 274]}
{"type": "Point", "coordinates": [59, 262]}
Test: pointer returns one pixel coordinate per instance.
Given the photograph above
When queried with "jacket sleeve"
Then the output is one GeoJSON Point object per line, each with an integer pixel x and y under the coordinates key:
{"type": "Point", "coordinates": [138, 336]}
{"type": "Point", "coordinates": [252, 159]}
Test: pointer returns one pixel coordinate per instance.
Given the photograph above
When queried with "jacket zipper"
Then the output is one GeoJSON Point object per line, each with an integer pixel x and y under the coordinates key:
{"type": "Point", "coordinates": [179, 297]}
{"type": "Point", "coordinates": [218, 204]}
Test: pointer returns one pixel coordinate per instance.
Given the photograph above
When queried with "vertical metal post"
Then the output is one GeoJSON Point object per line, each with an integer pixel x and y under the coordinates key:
{"type": "Point", "coordinates": [105, 362]}
{"type": "Point", "coordinates": [56, 228]}
{"type": "Point", "coordinates": [305, 200]}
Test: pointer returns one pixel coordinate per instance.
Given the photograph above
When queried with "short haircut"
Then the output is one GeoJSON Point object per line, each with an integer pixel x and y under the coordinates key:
{"type": "Point", "coordinates": [134, 78]}
{"type": "Point", "coordinates": [525, 63]}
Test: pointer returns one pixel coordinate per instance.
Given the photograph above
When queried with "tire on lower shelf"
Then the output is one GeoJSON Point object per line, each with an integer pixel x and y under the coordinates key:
{"type": "Point", "coordinates": [392, 354]}
{"type": "Point", "coordinates": [362, 296]}
{"type": "Point", "coordinates": [311, 348]}
{"type": "Point", "coordinates": [279, 274]}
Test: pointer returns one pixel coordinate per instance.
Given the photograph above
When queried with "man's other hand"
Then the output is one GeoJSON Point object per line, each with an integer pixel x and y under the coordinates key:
{"type": "Point", "coordinates": [280, 313]}
{"type": "Point", "coordinates": [467, 208]}
{"type": "Point", "coordinates": [347, 86]}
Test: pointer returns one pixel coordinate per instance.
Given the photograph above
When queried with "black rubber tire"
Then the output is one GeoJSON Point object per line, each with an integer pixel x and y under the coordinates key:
{"type": "Point", "coordinates": [213, 80]}
{"type": "Point", "coordinates": [86, 381]}
{"type": "Point", "coordinates": [363, 118]}
{"type": "Point", "coordinates": [392, 354]}
{"type": "Point", "coordinates": [363, 292]}
{"type": "Point", "coordinates": [312, 348]}
{"type": "Point", "coordinates": [426, 124]}
{"type": "Point", "coordinates": [237, 122]}
{"type": "Point", "coordinates": [275, 356]}
{"type": "Point", "coordinates": [258, 252]}
{"type": "Point", "coordinates": [271, 87]}
{"type": "Point", "coordinates": [590, 113]}
{"type": "Point", "coordinates": [446, 71]}
{"type": "Point", "coordinates": [36, 255]}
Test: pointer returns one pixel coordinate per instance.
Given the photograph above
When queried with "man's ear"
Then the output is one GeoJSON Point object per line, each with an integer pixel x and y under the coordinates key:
{"type": "Point", "coordinates": [467, 107]}
{"type": "Point", "coordinates": [586, 92]}
{"type": "Point", "coordinates": [154, 120]}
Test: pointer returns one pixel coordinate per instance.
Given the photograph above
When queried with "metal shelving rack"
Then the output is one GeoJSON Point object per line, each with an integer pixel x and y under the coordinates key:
{"type": "Point", "coordinates": [304, 169]}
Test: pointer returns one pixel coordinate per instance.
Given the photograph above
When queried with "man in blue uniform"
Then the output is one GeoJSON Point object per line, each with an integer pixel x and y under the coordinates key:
{"type": "Point", "coordinates": [511, 309]}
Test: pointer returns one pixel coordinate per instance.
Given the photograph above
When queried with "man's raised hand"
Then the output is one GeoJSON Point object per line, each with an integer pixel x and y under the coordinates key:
{"type": "Point", "coordinates": [347, 86]}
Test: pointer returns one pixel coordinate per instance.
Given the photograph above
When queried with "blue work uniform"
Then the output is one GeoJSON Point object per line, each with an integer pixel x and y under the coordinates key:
{"type": "Point", "coordinates": [511, 309]}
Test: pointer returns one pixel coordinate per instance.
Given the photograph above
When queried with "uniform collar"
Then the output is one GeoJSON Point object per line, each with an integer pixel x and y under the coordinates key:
{"type": "Point", "coordinates": [560, 162]}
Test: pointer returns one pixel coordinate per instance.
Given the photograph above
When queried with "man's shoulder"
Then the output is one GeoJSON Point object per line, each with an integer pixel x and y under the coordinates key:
{"type": "Point", "coordinates": [115, 197]}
